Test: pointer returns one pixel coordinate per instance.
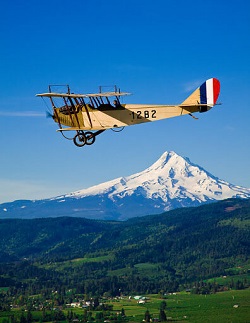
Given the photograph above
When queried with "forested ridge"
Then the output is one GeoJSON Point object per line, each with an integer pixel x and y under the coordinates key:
{"type": "Point", "coordinates": [163, 252]}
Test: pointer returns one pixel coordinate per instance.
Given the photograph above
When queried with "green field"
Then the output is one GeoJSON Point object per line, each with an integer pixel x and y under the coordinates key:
{"type": "Point", "coordinates": [181, 307]}
{"type": "Point", "coordinates": [185, 307]}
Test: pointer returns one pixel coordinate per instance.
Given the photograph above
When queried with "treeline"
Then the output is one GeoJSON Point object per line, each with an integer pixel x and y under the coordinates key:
{"type": "Point", "coordinates": [65, 287]}
{"type": "Point", "coordinates": [98, 314]}
{"type": "Point", "coordinates": [166, 252]}
{"type": "Point", "coordinates": [215, 231]}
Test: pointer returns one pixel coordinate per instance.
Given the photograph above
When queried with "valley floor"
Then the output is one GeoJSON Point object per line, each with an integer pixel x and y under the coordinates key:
{"type": "Point", "coordinates": [229, 306]}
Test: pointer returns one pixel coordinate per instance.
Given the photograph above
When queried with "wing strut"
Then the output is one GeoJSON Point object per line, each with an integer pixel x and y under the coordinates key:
{"type": "Point", "coordinates": [87, 111]}
{"type": "Point", "coordinates": [75, 112]}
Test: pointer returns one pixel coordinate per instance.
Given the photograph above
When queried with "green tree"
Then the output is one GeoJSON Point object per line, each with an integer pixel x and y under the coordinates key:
{"type": "Point", "coordinates": [12, 319]}
{"type": "Point", "coordinates": [90, 318]}
{"type": "Point", "coordinates": [59, 316]}
{"type": "Point", "coordinates": [29, 317]}
{"type": "Point", "coordinates": [163, 305]}
{"type": "Point", "coordinates": [162, 316]}
{"type": "Point", "coordinates": [99, 317]}
{"type": "Point", "coordinates": [96, 302]}
{"type": "Point", "coordinates": [147, 316]}
{"type": "Point", "coordinates": [23, 318]}
{"type": "Point", "coordinates": [69, 316]}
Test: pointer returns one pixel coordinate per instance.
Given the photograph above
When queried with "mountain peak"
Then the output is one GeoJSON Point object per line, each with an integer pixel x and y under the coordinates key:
{"type": "Point", "coordinates": [170, 178]}
{"type": "Point", "coordinates": [171, 182]}
{"type": "Point", "coordinates": [168, 159]}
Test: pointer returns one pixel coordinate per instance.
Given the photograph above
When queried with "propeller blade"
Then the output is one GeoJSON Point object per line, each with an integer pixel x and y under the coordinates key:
{"type": "Point", "coordinates": [49, 115]}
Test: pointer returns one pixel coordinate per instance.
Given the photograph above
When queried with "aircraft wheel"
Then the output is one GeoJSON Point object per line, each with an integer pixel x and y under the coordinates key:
{"type": "Point", "coordinates": [90, 138]}
{"type": "Point", "coordinates": [80, 139]}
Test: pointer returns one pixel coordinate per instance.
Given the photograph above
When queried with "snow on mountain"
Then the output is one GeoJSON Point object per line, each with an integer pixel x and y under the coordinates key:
{"type": "Point", "coordinates": [171, 182]}
{"type": "Point", "coordinates": [170, 177]}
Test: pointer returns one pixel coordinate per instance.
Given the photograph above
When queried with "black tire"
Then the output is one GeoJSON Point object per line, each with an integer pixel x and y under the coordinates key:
{"type": "Point", "coordinates": [90, 138]}
{"type": "Point", "coordinates": [80, 139]}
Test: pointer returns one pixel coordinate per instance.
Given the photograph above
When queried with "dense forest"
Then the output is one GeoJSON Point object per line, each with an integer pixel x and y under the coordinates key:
{"type": "Point", "coordinates": [160, 253]}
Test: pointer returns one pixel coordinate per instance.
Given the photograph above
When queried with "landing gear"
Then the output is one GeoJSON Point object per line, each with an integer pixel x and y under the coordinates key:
{"type": "Point", "coordinates": [80, 139]}
{"type": "Point", "coordinates": [85, 138]}
{"type": "Point", "coordinates": [90, 138]}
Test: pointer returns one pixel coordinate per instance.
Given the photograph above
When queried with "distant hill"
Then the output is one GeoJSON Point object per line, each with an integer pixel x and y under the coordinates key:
{"type": "Point", "coordinates": [144, 253]}
{"type": "Point", "coordinates": [171, 182]}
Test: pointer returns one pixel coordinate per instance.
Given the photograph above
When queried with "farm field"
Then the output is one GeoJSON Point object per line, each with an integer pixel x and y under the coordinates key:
{"type": "Point", "coordinates": [230, 306]}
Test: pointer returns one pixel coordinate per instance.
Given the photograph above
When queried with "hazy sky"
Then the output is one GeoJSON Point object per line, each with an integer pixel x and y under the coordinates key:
{"type": "Point", "coordinates": [159, 50]}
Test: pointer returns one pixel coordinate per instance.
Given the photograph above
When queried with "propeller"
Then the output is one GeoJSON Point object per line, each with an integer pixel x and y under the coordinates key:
{"type": "Point", "coordinates": [49, 114]}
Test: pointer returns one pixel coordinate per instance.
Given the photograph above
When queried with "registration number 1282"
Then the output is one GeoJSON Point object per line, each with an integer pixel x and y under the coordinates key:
{"type": "Point", "coordinates": [144, 114]}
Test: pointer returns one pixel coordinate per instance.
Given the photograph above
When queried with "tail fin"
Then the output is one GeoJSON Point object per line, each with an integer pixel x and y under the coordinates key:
{"type": "Point", "coordinates": [205, 96]}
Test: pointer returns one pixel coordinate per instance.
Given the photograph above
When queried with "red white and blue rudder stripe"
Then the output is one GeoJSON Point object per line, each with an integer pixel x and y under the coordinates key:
{"type": "Point", "coordinates": [209, 92]}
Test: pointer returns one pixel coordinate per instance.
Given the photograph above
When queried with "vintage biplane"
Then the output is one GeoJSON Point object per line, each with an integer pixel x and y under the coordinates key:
{"type": "Point", "coordinates": [91, 114]}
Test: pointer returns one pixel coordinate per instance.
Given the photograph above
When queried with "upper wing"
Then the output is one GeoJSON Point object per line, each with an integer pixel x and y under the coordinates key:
{"type": "Point", "coordinates": [73, 95]}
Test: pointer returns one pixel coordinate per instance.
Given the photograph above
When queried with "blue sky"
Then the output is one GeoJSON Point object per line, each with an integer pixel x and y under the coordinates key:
{"type": "Point", "coordinates": [159, 50]}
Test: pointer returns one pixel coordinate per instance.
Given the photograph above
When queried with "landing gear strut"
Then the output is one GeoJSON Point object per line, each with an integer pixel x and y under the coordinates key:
{"type": "Point", "coordinates": [85, 138]}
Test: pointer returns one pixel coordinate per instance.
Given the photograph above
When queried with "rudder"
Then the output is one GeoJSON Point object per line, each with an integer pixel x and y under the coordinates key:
{"type": "Point", "coordinates": [209, 92]}
{"type": "Point", "coordinates": [206, 94]}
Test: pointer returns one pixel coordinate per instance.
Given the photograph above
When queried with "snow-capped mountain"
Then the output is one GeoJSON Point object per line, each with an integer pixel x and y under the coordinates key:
{"type": "Point", "coordinates": [171, 182]}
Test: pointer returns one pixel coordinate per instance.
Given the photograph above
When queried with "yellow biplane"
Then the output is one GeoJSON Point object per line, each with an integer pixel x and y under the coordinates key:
{"type": "Point", "coordinates": [91, 114]}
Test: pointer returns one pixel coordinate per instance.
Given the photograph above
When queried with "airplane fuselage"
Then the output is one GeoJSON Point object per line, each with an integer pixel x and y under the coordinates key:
{"type": "Point", "coordinates": [106, 117]}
